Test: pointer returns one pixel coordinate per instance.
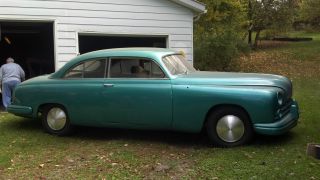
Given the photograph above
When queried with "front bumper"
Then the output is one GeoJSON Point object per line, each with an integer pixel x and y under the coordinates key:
{"type": "Point", "coordinates": [283, 125]}
{"type": "Point", "coordinates": [24, 111]}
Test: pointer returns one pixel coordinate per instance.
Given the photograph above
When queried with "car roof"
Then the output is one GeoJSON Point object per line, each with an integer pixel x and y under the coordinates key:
{"type": "Point", "coordinates": [150, 53]}
{"type": "Point", "coordinates": [131, 52]}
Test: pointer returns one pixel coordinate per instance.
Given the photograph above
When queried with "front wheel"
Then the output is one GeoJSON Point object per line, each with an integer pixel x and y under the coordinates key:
{"type": "Point", "coordinates": [229, 127]}
{"type": "Point", "coordinates": [55, 120]}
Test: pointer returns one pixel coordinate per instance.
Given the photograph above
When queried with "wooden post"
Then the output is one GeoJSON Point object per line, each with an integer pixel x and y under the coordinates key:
{"type": "Point", "coordinates": [313, 150]}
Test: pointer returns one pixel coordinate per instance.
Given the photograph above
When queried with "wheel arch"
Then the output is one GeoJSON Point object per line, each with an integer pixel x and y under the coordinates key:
{"type": "Point", "coordinates": [55, 127]}
{"type": "Point", "coordinates": [219, 106]}
{"type": "Point", "coordinates": [42, 106]}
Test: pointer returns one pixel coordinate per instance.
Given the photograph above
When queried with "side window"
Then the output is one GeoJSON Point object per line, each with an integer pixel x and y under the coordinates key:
{"type": "Point", "coordinates": [156, 71]}
{"type": "Point", "coordinates": [134, 68]}
{"type": "Point", "coordinates": [88, 69]}
{"type": "Point", "coordinates": [76, 72]}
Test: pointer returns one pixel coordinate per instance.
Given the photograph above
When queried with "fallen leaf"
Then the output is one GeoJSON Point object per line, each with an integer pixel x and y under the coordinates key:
{"type": "Point", "coordinates": [114, 164]}
{"type": "Point", "coordinates": [248, 155]}
{"type": "Point", "coordinates": [161, 167]}
{"type": "Point", "coordinates": [70, 160]}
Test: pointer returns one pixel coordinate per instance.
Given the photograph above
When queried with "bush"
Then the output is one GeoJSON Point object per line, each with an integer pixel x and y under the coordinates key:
{"type": "Point", "coordinates": [217, 35]}
{"type": "Point", "coordinates": [214, 53]}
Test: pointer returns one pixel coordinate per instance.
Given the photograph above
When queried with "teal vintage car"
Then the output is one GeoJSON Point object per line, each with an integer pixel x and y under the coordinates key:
{"type": "Point", "coordinates": [151, 88]}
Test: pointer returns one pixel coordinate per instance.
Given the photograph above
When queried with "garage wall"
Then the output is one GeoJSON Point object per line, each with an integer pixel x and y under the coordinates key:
{"type": "Point", "coordinates": [127, 17]}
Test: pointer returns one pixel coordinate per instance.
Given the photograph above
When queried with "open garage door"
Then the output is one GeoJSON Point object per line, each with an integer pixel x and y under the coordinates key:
{"type": "Point", "coordinates": [89, 43]}
{"type": "Point", "coordinates": [30, 44]}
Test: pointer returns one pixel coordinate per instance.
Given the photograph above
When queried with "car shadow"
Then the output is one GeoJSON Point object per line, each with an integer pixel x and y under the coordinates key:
{"type": "Point", "coordinates": [171, 137]}
{"type": "Point", "coordinates": [264, 140]}
{"type": "Point", "coordinates": [197, 140]}
{"type": "Point", "coordinates": [24, 124]}
{"type": "Point", "coordinates": [145, 136]}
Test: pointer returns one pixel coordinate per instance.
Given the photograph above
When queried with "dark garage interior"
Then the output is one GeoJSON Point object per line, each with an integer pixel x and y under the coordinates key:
{"type": "Point", "coordinates": [30, 44]}
{"type": "Point", "coordinates": [89, 43]}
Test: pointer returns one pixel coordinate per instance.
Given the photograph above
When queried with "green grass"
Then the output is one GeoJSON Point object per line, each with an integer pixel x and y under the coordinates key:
{"type": "Point", "coordinates": [314, 35]}
{"type": "Point", "coordinates": [26, 152]}
{"type": "Point", "coordinates": [304, 51]}
{"type": "Point", "coordinates": [273, 158]}
{"type": "Point", "coordinates": [301, 51]}
{"type": "Point", "coordinates": [297, 60]}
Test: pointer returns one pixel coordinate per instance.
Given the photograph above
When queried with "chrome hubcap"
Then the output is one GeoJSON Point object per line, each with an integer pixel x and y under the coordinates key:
{"type": "Point", "coordinates": [56, 119]}
{"type": "Point", "coordinates": [230, 128]}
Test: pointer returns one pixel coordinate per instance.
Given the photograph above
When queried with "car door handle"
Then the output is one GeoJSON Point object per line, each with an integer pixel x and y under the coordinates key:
{"type": "Point", "coordinates": [108, 85]}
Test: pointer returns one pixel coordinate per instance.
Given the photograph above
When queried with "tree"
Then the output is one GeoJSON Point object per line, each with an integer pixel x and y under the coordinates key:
{"type": "Point", "coordinates": [270, 14]}
{"type": "Point", "coordinates": [310, 12]}
{"type": "Point", "coordinates": [218, 34]}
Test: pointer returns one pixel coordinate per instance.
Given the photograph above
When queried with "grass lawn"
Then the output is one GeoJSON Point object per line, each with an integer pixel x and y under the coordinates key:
{"type": "Point", "coordinates": [28, 153]}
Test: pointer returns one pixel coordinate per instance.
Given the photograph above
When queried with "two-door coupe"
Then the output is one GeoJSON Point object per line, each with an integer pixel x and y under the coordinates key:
{"type": "Point", "coordinates": [151, 88]}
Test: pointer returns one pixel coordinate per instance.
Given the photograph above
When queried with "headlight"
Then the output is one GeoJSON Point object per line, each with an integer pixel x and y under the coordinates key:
{"type": "Point", "coordinates": [280, 98]}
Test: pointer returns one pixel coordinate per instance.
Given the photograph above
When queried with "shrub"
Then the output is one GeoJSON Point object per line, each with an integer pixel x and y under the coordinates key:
{"type": "Point", "coordinates": [216, 52]}
{"type": "Point", "coordinates": [218, 35]}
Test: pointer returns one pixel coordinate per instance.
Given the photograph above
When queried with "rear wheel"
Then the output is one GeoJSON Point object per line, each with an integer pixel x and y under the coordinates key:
{"type": "Point", "coordinates": [229, 127]}
{"type": "Point", "coordinates": [55, 120]}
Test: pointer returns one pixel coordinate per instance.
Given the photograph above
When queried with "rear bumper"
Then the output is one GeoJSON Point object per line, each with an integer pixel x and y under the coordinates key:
{"type": "Point", "coordinates": [24, 111]}
{"type": "Point", "coordinates": [283, 125]}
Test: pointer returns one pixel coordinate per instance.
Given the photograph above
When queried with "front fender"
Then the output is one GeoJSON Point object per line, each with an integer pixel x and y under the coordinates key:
{"type": "Point", "coordinates": [191, 103]}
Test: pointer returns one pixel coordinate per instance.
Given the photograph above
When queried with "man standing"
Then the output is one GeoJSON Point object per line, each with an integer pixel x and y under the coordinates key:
{"type": "Point", "coordinates": [11, 74]}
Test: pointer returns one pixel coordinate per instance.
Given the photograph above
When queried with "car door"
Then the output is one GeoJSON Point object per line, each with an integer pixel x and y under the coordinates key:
{"type": "Point", "coordinates": [83, 92]}
{"type": "Point", "coordinates": [137, 93]}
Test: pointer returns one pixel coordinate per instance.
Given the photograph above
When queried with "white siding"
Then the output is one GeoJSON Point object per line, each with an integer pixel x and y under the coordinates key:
{"type": "Point", "coordinates": [116, 17]}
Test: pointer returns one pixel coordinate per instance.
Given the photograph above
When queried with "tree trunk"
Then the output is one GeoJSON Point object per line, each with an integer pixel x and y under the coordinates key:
{"type": "Point", "coordinates": [250, 37]}
{"type": "Point", "coordinates": [250, 25]}
{"type": "Point", "coordinates": [255, 45]}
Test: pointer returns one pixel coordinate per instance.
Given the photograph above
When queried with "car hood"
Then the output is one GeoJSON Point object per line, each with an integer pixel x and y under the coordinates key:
{"type": "Point", "coordinates": [235, 79]}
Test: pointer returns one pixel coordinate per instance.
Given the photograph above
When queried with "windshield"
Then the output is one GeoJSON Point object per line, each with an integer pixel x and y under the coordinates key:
{"type": "Point", "coordinates": [177, 64]}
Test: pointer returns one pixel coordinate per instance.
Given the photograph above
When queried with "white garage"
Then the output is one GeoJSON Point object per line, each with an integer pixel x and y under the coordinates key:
{"type": "Point", "coordinates": [42, 35]}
